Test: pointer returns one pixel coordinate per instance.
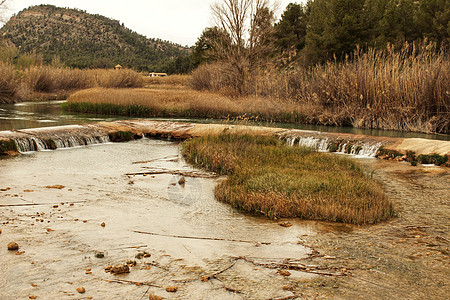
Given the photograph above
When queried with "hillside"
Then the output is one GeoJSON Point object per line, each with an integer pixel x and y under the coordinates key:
{"type": "Point", "coordinates": [85, 40]}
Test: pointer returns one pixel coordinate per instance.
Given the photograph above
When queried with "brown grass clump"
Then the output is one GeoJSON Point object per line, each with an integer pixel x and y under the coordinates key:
{"type": "Point", "coordinates": [267, 177]}
{"type": "Point", "coordinates": [9, 84]}
{"type": "Point", "coordinates": [124, 78]}
{"type": "Point", "coordinates": [182, 103]}
{"type": "Point", "coordinates": [182, 80]}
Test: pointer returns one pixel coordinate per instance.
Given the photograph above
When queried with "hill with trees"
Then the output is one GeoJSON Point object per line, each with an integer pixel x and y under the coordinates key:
{"type": "Point", "coordinates": [82, 40]}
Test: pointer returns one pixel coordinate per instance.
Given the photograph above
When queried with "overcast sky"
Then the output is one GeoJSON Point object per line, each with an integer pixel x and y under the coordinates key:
{"type": "Point", "coordinates": [179, 21]}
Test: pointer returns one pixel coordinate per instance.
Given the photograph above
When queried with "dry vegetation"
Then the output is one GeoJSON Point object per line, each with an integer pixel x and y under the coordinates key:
{"type": "Point", "coordinates": [165, 102]}
{"type": "Point", "coordinates": [36, 81]}
{"type": "Point", "coordinates": [406, 90]}
{"type": "Point", "coordinates": [270, 178]}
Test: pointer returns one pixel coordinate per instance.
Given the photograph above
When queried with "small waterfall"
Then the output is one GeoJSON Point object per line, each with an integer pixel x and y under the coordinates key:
{"type": "Point", "coordinates": [32, 144]}
{"type": "Point", "coordinates": [325, 144]}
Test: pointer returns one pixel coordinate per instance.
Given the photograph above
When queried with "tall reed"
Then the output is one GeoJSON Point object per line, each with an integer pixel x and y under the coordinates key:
{"type": "Point", "coordinates": [402, 90]}
{"type": "Point", "coordinates": [9, 84]}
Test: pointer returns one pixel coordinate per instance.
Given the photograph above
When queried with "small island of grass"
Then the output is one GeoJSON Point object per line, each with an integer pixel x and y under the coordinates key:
{"type": "Point", "coordinates": [268, 177]}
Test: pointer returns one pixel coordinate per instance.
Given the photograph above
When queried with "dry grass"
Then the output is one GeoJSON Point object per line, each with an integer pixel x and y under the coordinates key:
{"type": "Point", "coordinates": [270, 178]}
{"type": "Point", "coordinates": [182, 103]}
{"type": "Point", "coordinates": [9, 84]}
{"type": "Point", "coordinates": [406, 90]}
{"type": "Point", "coordinates": [180, 80]}
{"type": "Point", "coordinates": [41, 82]}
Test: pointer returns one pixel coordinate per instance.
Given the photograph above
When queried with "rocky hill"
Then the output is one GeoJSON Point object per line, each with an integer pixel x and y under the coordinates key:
{"type": "Point", "coordinates": [85, 40]}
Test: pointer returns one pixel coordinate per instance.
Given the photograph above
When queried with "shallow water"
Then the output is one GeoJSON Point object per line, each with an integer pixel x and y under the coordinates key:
{"type": "Point", "coordinates": [44, 114]}
{"type": "Point", "coordinates": [59, 243]}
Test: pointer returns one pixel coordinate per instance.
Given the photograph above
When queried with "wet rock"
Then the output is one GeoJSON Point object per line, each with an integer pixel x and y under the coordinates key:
{"type": "Point", "coordinates": [285, 224]}
{"type": "Point", "coordinates": [81, 290]}
{"type": "Point", "coordinates": [13, 246]}
{"type": "Point", "coordinates": [131, 263]}
{"type": "Point", "coordinates": [171, 289]}
{"type": "Point", "coordinates": [145, 254]}
{"type": "Point", "coordinates": [284, 273]}
{"type": "Point", "coordinates": [120, 269]}
{"type": "Point", "coordinates": [154, 297]}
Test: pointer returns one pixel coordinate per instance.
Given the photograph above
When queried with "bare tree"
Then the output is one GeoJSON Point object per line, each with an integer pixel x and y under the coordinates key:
{"type": "Point", "coordinates": [246, 25]}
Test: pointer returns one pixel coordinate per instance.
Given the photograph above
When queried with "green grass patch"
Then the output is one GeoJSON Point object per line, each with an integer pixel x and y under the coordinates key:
{"type": "Point", "coordinates": [267, 177]}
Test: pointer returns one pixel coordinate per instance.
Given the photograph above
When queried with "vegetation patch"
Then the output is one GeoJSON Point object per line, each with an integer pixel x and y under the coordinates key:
{"type": "Point", "coordinates": [122, 136]}
{"type": "Point", "coordinates": [436, 159]}
{"type": "Point", "coordinates": [6, 147]}
{"type": "Point", "coordinates": [267, 177]}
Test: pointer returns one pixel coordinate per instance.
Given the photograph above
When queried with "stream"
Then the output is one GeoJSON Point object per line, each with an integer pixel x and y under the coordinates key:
{"type": "Point", "coordinates": [53, 204]}
{"type": "Point", "coordinates": [75, 211]}
{"type": "Point", "coordinates": [49, 113]}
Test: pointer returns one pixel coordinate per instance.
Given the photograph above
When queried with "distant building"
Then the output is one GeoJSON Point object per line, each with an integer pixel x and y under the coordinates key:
{"type": "Point", "coordinates": [153, 74]}
{"type": "Point", "coordinates": [118, 67]}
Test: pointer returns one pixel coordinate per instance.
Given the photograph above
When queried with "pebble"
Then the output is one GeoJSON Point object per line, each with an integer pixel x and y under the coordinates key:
{"type": "Point", "coordinates": [284, 273]}
{"type": "Point", "coordinates": [81, 290]}
{"type": "Point", "coordinates": [154, 297]}
{"type": "Point", "coordinates": [171, 289]}
{"type": "Point", "coordinates": [120, 269]}
{"type": "Point", "coordinates": [13, 246]}
{"type": "Point", "coordinates": [103, 224]}
{"type": "Point", "coordinates": [285, 224]}
{"type": "Point", "coordinates": [0, 231]}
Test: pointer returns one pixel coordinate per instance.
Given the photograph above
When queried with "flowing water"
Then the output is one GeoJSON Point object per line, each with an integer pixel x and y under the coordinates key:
{"type": "Point", "coordinates": [44, 114]}
{"type": "Point", "coordinates": [53, 203]}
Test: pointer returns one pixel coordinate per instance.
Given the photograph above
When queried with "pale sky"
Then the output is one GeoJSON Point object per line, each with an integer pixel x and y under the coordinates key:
{"type": "Point", "coordinates": [178, 21]}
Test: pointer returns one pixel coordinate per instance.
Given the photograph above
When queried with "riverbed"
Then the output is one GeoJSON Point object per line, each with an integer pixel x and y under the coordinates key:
{"type": "Point", "coordinates": [53, 205]}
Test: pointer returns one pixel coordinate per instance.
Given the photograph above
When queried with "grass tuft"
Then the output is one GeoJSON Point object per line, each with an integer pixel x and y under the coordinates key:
{"type": "Point", "coordinates": [267, 177]}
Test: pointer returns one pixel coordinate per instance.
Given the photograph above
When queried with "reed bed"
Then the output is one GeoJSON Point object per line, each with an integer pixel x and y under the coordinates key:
{"type": "Point", "coordinates": [399, 90]}
{"type": "Point", "coordinates": [9, 84]}
{"type": "Point", "coordinates": [181, 80]}
{"type": "Point", "coordinates": [143, 102]}
{"type": "Point", "coordinates": [267, 177]}
{"type": "Point", "coordinates": [42, 82]}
